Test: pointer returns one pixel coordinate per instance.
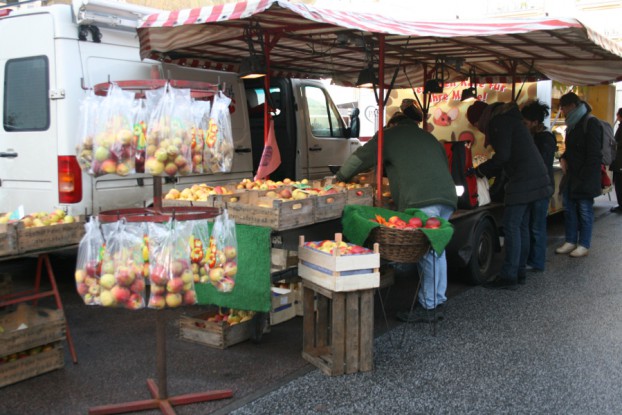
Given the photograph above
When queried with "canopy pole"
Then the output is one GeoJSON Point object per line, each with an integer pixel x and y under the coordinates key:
{"type": "Point", "coordinates": [266, 84]}
{"type": "Point", "coordinates": [379, 166]}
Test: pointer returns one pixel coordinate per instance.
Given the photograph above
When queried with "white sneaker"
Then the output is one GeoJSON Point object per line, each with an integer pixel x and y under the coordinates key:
{"type": "Point", "coordinates": [579, 252]}
{"type": "Point", "coordinates": [566, 248]}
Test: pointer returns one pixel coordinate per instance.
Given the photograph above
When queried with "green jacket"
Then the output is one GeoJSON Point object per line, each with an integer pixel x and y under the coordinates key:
{"type": "Point", "coordinates": [415, 163]}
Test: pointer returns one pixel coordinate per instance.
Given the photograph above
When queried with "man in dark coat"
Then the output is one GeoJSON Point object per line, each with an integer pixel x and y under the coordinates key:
{"type": "Point", "coordinates": [515, 154]}
{"type": "Point", "coordinates": [580, 163]}
{"type": "Point", "coordinates": [616, 166]}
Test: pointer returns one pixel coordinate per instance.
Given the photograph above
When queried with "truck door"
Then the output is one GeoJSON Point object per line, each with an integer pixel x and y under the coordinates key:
{"type": "Point", "coordinates": [28, 148]}
{"type": "Point", "coordinates": [323, 141]}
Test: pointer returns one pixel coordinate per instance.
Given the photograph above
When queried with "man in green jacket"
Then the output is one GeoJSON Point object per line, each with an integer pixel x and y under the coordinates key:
{"type": "Point", "coordinates": [416, 164]}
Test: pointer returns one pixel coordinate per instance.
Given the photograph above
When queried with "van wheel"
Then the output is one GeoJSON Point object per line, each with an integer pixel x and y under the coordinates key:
{"type": "Point", "coordinates": [480, 265]}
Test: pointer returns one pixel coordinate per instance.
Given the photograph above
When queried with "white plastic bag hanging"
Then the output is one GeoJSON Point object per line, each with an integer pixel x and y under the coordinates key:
{"type": "Point", "coordinates": [87, 129]}
{"type": "Point", "coordinates": [170, 127]}
{"type": "Point", "coordinates": [200, 116]}
{"type": "Point", "coordinates": [122, 282]}
{"type": "Point", "coordinates": [140, 119]}
{"type": "Point", "coordinates": [218, 153]}
{"type": "Point", "coordinates": [170, 273]}
{"type": "Point", "coordinates": [113, 146]}
{"type": "Point", "coordinates": [223, 266]}
{"type": "Point", "coordinates": [88, 263]}
{"type": "Point", "coordinates": [199, 250]}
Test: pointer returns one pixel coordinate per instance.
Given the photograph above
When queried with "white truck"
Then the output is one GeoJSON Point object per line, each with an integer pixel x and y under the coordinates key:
{"type": "Point", "coordinates": [49, 56]}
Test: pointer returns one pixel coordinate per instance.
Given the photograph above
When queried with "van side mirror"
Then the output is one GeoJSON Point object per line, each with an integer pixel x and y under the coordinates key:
{"type": "Point", "coordinates": [355, 124]}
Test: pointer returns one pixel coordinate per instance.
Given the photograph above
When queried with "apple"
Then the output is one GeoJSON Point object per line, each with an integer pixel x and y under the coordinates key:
{"type": "Point", "coordinates": [175, 285]}
{"type": "Point", "coordinates": [109, 167]}
{"type": "Point", "coordinates": [135, 302]}
{"type": "Point", "coordinates": [69, 219]}
{"type": "Point", "coordinates": [91, 268]}
{"type": "Point", "coordinates": [190, 297]}
{"type": "Point", "coordinates": [433, 223]}
{"type": "Point", "coordinates": [80, 275]}
{"type": "Point", "coordinates": [415, 222]}
{"type": "Point", "coordinates": [157, 301]}
{"type": "Point", "coordinates": [138, 286]}
{"type": "Point", "coordinates": [230, 268]}
{"type": "Point", "coordinates": [231, 252]}
{"type": "Point", "coordinates": [107, 267]}
{"type": "Point", "coordinates": [82, 289]}
{"type": "Point", "coordinates": [187, 276]}
{"type": "Point", "coordinates": [158, 274]}
{"type": "Point", "coordinates": [125, 276]}
{"type": "Point", "coordinates": [216, 274]}
{"type": "Point", "coordinates": [173, 300]}
{"type": "Point", "coordinates": [285, 194]}
{"type": "Point", "coordinates": [107, 281]}
{"type": "Point", "coordinates": [157, 289]}
{"type": "Point", "coordinates": [107, 299]}
{"type": "Point", "coordinates": [120, 294]}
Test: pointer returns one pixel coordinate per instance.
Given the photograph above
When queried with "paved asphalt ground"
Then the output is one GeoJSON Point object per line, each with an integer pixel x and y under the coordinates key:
{"type": "Point", "coordinates": [551, 347]}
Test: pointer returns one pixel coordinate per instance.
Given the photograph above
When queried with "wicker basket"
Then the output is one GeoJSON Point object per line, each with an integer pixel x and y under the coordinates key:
{"type": "Point", "coordinates": [400, 245]}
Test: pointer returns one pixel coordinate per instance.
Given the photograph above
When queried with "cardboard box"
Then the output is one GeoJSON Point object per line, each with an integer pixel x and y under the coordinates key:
{"type": "Point", "coordinates": [214, 334]}
{"type": "Point", "coordinates": [283, 309]}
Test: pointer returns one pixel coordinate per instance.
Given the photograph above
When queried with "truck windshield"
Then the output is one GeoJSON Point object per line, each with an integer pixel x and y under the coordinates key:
{"type": "Point", "coordinates": [323, 115]}
{"type": "Point", "coordinates": [26, 103]}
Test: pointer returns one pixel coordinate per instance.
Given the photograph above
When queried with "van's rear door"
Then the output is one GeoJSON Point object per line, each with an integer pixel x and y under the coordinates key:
{"type": "Point", "coordinates": [323, 131]}
{"type": "Point", "coordinates": [28, 153]}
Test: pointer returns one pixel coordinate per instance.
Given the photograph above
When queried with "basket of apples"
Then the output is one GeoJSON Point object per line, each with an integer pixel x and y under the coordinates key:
{"type": "Point", "coordinates": [401, 240]}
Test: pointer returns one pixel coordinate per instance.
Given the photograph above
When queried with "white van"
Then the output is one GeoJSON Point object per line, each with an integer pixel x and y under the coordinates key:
{"type": "Point", "coordinates": [49, 56]}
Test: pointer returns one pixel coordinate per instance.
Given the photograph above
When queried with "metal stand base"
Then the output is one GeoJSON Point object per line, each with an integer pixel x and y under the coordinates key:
{"type": "Point", "coordinates": [160, 398]}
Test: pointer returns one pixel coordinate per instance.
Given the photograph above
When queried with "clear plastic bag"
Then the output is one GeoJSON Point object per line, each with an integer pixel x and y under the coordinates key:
{"type": "Point", "coordinates": [88, 263]}
{"type": "Point", "coordinates": [113, 146]}
{"type": "Point", "coordinates": [87, 129]}
{"type": "Point", "coordinates": [199, 250]}
{"type": "Point", "coordinates": [170, 128]}
{"type": "Point", "coordinates": [223, 264]}
{"type": "Point", "coordinates": [218, 152]}
{"type": "Point", "coordinates": [172, 280]}
{"type": "Point", "coordinates": [140, 119]}
{"type": "Point", "coordinates": [122, 282]}
{"type": "Point", "coordinates": [200, 116]}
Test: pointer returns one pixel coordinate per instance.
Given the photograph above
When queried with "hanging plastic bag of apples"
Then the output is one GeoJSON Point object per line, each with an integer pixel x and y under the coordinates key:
{"type": "Point", "coordinates": [87, 126]}
{"type": "Point", "coordinates": [223, 263]}
{"type": "Point", "coordinates": [122, 281]}
{"type": "Point", "coordinates": [170, 126]}
{"type": "Point", "coordinates": [200, 118]}
{"type": "Point", "coordinates": [113, 146]}
{"type": "Point", "coordinates": [218, 150]}
{"type": "Point", "coordinates": [200, 251]}
{"type": "Point", "coordinates": [170, 273]}
{"type": "Point", "coordinates": [88, 263]}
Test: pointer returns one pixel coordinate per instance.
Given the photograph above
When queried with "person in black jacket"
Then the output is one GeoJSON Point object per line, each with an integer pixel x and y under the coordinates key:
{"type": "Point", "coordinates": [616, 166]}
{"type": "Point", "coordinates": [534, 113]}
{"type": "Point", "coordinates": [527, 181]}
{"type": "Point", "coordinates": [580, 163]}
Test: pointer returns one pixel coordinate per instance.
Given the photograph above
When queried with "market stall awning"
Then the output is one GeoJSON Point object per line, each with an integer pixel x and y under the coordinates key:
{"type": "Point", "coordinates": [308, 41]}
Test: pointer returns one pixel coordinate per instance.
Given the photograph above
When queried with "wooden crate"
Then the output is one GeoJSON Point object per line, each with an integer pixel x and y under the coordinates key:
{"type": "Point", "coordinates": [360, 196]}
{"type": "Point", "coordinates": [282, 309]}
{"type": "Point", "coordinates": [339, 272]}
{"type": "Point", "coordinates": [31, 363]}
{"type": "Point", "coordinates": [338, 335]}
{"type": "Point", "coordinates": [330, 206]}
{"type": "Point", "coordinates": [216, 200]}
{"type": "Point", "coordinates": [253, 208]}
{"type": "Point", "coordinates": [282, 259]}
{"type": "Point", "coordinates": [45, 237]}
{"type": "Point", "coordinates": [8, 239]}
{"type": "Point", "coordinates": [219, 335]}
{"type": "Point", "coordinates": [43, 326]}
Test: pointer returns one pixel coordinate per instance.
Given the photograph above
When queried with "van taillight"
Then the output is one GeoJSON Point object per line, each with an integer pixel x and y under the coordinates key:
{"type": "Point", "coordinates": [69, 180]}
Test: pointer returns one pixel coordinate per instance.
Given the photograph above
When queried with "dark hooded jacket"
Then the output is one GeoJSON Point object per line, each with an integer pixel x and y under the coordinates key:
{"type": "Point", "coordinates": [583, 156]}
{"type": "Point", "coordinates": [516, 155]}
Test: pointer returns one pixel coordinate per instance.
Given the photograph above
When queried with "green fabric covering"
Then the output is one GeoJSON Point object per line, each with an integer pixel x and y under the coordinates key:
{"type": "Point", "coordinates": [252, 283]}
{"type": "Point", "coordinates": [357, 224]}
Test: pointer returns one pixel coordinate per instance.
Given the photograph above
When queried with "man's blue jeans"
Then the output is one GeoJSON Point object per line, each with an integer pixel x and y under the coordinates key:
{"type": "Point", "coordinates": [578, 220]}
{"type": "Point", "coordinates": [433, 267]}
{"type": "Point", "coordinates": [537, 233]}
{"type": "Point", "coordinates": [516, 240]}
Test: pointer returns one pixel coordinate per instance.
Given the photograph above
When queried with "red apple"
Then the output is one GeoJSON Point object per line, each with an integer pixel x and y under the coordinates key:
{"type": "Point", "coordinates": [158, 274]}
{"type": "Point", "coordinates": [135, 302]}
{"type": "Point", "coordinates": [120, 294]}
{"type": "Point", "coordinates": [433, 223]}
{"type": "Point", "coordinates": [231, 252]}
{"type": "Point", "coordinates": [190, 297]}
{"type": "Point", "coordinates": [82, 288]}
{"type": "Point", "coordinates": [138, 286]}
{"type": "Point", "coordinates": [158, 289]}
{"type": "Point", "coordinates": [415, 222]}
{"type": "Point", "coordinates": [157, 301]}
{"type": "Point", "coordinates": [175, 285]}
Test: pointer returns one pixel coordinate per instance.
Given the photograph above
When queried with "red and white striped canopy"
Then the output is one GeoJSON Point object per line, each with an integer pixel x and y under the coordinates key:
{"type": "Point", "coordinates": [309, 41]}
